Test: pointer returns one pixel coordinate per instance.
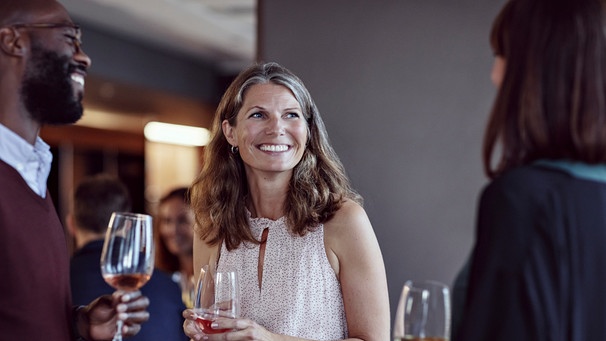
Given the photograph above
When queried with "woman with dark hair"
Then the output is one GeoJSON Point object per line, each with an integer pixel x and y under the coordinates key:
{"type": "Point", "coordinates": [274, 203]}
{"type": "Point", "coordinates": [539, 263]}
{"type": "Point", "coordinates": [174, 240]}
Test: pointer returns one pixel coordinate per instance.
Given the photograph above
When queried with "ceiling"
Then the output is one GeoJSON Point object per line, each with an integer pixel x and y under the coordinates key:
{"type": "Point", "coordinates": [221, 31]}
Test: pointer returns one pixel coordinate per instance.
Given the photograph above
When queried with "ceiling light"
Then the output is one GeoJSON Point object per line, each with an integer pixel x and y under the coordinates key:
{"type": "Point", "coordinates": [176, 134]}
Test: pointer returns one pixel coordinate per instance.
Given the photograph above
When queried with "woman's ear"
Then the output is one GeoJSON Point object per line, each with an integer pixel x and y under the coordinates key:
{"type": "Point", "coordinates": [11, 42]}
{"type": "Point", "coordinates": [228, 131]}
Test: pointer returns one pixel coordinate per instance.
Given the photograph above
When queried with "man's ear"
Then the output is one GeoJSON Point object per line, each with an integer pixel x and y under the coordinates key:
{"type": "Point", "coordinates": [11, 41]}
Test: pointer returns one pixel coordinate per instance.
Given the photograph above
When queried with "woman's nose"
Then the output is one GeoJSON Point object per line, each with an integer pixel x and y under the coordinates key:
{"type": "Point", "coordinates": [275, 126]}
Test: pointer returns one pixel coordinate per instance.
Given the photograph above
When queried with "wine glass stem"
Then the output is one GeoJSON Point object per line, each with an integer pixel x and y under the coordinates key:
{"type": "Point", "coordinates": [118, 335]}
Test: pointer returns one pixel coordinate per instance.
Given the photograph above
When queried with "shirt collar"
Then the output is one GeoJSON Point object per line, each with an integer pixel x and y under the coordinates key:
{"type": "Point", "coordinates": [581, 170]}
{"type": "Point", "coordinates": [33, 163]}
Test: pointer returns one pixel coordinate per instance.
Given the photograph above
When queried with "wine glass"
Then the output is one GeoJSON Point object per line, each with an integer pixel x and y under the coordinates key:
{"type": "Point", "coordinates": [217, 295]}
{"type": "Point", "coordinates": [423, 312]}
{"type": "Point", "coordinates": [188, 290]}
{"type": "Point", "coordinates": [127, 260]}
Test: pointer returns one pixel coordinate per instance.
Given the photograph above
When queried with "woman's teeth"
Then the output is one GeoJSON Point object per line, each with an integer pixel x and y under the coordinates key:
{"type": "Point", "coordinates": [273, 148]}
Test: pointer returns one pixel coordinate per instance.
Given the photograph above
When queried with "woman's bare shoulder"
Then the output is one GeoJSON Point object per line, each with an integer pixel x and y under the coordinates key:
{"type": "Point", "coordinates": [348, 228]}
{"type": "Point", "coordinates": [349, 216]}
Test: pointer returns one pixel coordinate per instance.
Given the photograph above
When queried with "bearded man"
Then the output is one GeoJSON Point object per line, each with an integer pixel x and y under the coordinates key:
{"type": "Point", "coordinates": [42, 71]}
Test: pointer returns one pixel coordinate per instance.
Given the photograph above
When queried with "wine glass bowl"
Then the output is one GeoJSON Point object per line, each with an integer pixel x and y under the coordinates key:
{"type": "Point", "coordinates": [423, 312]}
{"type": "Point", "coordinates": [188, 290]}
{"type": "Point", "coordinates": [217, 295]}
{"type": "Point", "coordinates": [127, 259]}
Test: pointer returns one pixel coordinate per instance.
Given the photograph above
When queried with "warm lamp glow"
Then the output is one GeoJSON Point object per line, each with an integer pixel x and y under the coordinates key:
{"type": "Point", "coordinates": [176, 134]}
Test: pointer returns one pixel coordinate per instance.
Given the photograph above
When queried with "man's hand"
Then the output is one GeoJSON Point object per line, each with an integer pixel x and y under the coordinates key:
{"type": "Point", "coordinates": [98, 320]}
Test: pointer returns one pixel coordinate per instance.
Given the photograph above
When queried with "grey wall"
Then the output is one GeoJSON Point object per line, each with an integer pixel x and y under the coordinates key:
{"type": "Point", "coordinates": [404, 88]}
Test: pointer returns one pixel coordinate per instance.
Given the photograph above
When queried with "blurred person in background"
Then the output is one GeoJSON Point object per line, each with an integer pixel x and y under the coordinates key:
{"type": "Point", "coordinates": [95, 199]}
{"type": "Point", "coordinates": [175, 239]}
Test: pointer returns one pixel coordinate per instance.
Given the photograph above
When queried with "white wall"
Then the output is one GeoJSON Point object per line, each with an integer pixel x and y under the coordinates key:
{"type": "Point", "coordinates": [404, 89]}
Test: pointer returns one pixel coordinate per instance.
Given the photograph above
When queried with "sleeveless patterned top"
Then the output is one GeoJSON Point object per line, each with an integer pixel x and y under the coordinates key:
{"type": "Point", "coordinates": [300, 294]}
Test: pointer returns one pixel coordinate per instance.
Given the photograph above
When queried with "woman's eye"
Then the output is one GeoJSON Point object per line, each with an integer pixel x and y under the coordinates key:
{"type": "Point", "coordinates": [256, 115]}
{"type": "Point", "coordinates": [293, 115]}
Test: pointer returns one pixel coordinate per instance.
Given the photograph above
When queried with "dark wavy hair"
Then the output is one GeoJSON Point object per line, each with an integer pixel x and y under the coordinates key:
{"type": "Point", "coordinates": [552, 101]}
{"type": "Point", "coordinates": [318, 187]}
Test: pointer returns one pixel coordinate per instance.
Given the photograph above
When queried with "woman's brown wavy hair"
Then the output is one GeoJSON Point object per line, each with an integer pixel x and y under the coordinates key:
{"type": "Point", "coordinates": [317, 189]}
{"type": "Point", "coordinates": [552, 101]}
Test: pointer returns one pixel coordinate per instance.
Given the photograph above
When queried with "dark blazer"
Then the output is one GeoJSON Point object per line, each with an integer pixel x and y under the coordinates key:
{"type": "Point", "coordinates": [538, 267]}
{"type": "Point", "coordinates": [165, 307]}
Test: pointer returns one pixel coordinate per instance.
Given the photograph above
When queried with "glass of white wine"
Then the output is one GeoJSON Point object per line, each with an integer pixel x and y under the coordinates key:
{"type": "Point", "coordinates": [423, 312]}
{"type": "Point", "coordinates": [127, 260]}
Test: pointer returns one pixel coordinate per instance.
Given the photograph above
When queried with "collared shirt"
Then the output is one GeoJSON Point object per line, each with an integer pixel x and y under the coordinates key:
{"type": "Point", "coordinates": [32, 162]}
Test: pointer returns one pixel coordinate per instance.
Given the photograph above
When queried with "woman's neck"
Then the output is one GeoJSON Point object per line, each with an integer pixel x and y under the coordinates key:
{"type": "Point", "coordinates": [267, 195]}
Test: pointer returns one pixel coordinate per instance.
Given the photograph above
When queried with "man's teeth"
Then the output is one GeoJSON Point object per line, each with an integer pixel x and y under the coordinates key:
{"type": "Point", "coordinates": [77, 78]}
{"type": "Point", "coordinates": [273, 148]}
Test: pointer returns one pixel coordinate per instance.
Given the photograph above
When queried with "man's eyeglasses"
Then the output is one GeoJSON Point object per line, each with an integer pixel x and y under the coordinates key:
{"type": "Point", "coordinates": [75, 37]}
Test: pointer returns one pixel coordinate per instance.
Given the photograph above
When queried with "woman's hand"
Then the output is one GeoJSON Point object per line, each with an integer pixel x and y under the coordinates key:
{"type": "Point", "coordinates": [240, 329]}
{"type": "Point", "coordinates": [190, 327]}
{"type": "Point", "coordinates": [97, 321]}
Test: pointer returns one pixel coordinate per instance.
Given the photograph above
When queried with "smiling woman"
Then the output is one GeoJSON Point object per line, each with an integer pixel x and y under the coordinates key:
{"type": "Point", "coordinates": [273, 203]}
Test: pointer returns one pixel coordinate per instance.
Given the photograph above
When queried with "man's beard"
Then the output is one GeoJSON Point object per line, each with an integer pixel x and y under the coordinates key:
{"type": "Point", "coordinates": [47, 90]}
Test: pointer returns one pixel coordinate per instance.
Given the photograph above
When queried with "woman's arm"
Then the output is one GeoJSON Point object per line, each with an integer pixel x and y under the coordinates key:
{"type": "Point", "coordinates": [203, 254]}
{"type": "Point", "coordinates": [354, 253]}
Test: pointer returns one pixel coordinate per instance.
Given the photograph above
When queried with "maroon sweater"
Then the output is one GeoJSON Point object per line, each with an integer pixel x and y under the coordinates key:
{"type": "Point", "coordinates": [35, 301]}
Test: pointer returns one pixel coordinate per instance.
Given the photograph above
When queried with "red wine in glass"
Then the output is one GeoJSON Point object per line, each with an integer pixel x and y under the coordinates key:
{"type": "Point", "coordinates": [204, 323]}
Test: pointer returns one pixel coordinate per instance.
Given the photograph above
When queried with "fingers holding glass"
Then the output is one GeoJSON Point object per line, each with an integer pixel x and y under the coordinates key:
{"type": "Point", "coordinates": [217, 296]}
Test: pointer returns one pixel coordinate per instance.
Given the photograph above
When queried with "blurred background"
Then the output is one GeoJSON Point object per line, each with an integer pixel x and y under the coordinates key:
{"type": "Point", "coordinates": [403, 87]}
